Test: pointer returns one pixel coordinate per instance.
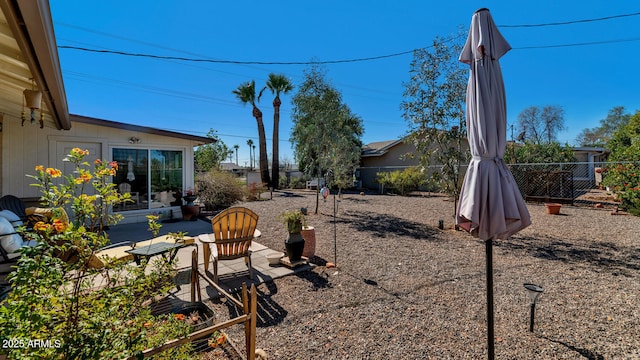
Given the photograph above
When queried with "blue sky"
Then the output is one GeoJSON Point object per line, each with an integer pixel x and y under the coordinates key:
{"type": "Point", "coordinates": [192, 97]}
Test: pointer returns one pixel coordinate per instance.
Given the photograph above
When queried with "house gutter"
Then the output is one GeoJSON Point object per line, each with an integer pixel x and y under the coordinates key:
{"type": "Point", "coordinates": [31, 23]}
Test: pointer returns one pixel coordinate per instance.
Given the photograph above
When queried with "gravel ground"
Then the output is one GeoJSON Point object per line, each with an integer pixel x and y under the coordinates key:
{"type": "Point", "coordinates": [405, 289]}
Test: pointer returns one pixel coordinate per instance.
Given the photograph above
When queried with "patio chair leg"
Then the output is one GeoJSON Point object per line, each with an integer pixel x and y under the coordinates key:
{"type": "Point", "coordinates": [215, 270]}
{"type": "Point", "coordinates": [206, 251]}
{"type": "Point", "coordinates": [248, 262]}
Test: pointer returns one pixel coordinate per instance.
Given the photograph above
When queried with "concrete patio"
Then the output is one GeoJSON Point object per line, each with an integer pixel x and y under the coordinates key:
{"type": "Point", "coordinates": [231, 273]}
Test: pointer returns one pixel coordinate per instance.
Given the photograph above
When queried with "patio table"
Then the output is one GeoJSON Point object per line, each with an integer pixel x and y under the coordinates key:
{"type": "Point", "coordinates": [159, 248]}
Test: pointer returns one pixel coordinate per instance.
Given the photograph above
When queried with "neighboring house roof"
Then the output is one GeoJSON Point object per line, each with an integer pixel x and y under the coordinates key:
{"type": "Point", "coordinates": [142, 129]}
{"type": "Point", "coordinates": [378, 148]}
{"type": "Point", "coordinates": [30, 55]}
{"type": "Point", "coordinates": [591, 149]}
{"type": "Point", "coordinates": [229, 166]}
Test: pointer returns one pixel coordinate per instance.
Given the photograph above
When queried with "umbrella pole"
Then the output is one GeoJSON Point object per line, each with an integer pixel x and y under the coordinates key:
{"type": "Point", "coordinates": [490, 333]}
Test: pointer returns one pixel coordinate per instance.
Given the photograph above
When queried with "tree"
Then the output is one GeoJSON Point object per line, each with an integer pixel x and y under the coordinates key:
{"type": "Point", "coordinates": [624, 178]}
{"type": "Point", "coordinates": [533, 153]}
{"type": "Point", "coordinates": [246, 93]}
{"type": "Point", "coordinates": [277, 84]}
{"type": "Point", "coordinates": [433, 106]}
{"type": "Point", "coordinates": [599, 136]}
{"type": "Point", "coordinates": [326, 134]}
{"type": "Point", "coordinates": [250, 143]}
{"type": "Point", "coordinates": [210, 156]}
{"type": "Point", "coordinates": [541, 125]}
{"type": "Point", "coordinates": [236, 146]}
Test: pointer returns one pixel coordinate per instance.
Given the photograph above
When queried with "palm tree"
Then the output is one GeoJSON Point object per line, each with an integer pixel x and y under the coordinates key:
{"type": "Point", "coordinates": [250, 143]}
{"type": "Point", "coordinates": [246, 93]}
{"type": "Point", "coordinates": [277, 84]}
{"type": "Point", "coordinates": [236, 146]}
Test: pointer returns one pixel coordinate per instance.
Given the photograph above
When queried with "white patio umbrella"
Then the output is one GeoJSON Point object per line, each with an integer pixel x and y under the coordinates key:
{"type": "Point", "coordinates": [491, 206]}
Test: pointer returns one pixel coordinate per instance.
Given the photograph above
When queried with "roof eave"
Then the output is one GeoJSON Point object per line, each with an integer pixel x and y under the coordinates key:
{"type": "Point", "coordinates": [199, 140]}
{"type": "Point", "coordinates": [32, 25]}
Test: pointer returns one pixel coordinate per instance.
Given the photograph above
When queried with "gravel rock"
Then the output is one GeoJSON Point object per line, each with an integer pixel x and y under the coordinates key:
{"type": "Point", "coordinates": [405, 289]}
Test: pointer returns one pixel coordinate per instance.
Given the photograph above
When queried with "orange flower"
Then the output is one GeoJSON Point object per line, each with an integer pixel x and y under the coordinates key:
{"type": "Point", "coordinates": [54, 173]}
{"type": "Point", "coordinates": [217, 340]}
{"type": "Point", "coordinates": [39, 168]}
{"type": "Point", "coordinates": [97, 162]}
{"type": "Point", "coordinates": [114, 164]}
{"type": "Point", "coordinates": [79, 152]}
{"type": "Point", "coordinates": [40, 226]}
{"type": "Point", "coordinates": [179, 316]}
{"type": "Point", "coordinates": [147, 324]}
{"type": "Point", "coordinates": [59, 225]}
{"type": "Point", "coordinates": [85, 177]}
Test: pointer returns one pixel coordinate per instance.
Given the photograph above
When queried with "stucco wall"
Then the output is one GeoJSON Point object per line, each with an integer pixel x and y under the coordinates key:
{"type": "Point", "coordinates": [25, 147]}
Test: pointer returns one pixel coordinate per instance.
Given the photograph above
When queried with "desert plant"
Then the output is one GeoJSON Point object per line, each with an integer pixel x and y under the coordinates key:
{"type": "Point", "coordinates": [294, 220]}
{"type": "Point", "coordinates": [403, 181]}
{"type": "Point", "coordinates": [219, 190]}
{"type": "Point", "coordinates": [254, 191]}
{"type": "Point", "coordinates": [79, 312]}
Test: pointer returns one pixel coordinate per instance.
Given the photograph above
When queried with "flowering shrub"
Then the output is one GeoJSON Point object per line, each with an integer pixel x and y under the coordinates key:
{"type": "Point", "coordinates": [84, 313]}
{"type": "Point", "coordinates": [624, 180]}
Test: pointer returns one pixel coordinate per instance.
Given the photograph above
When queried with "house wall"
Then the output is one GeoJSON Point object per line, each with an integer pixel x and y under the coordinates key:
{"type": "Point", "coordinates": [393, 157]}
{"type": "Point", "coordinates": [392, 160]}
{"type": "Point", "coordinates": [25, 147]}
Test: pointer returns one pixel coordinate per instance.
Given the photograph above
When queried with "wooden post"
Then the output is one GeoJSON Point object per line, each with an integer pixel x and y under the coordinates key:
{"type": "Point", "coordinates": [253, 320]}
{"type": "Point", "coordinates": [194, 275]}
{"type": "Point", "coordinates": [247, 322]}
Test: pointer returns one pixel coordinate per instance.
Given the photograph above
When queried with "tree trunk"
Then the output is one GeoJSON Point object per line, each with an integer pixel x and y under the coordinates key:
{"type": "Point", "coordinates": [264, 164]}
{"type": "Point", "coordinates": [275, 161]}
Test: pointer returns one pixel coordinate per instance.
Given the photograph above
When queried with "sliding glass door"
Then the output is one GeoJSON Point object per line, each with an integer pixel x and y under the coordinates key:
{"type": "Point", "coordinates": [153, 177]}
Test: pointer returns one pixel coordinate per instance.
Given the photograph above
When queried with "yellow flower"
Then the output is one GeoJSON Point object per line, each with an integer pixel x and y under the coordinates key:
{"type": "Point", "coordinates": [54, 173]}
{"type": "Point", "coordinates": [59, 225]}
{"type": "Point", "coordinates": [79, 152]}
{"type": "Point", "coordinates": [39, 168]}
{"type": "Point", "coordinates": [40, 226]}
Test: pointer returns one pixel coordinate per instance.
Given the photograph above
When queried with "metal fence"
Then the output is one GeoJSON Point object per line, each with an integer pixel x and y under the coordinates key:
{"type": "Point", "coordinates": [575, 183]}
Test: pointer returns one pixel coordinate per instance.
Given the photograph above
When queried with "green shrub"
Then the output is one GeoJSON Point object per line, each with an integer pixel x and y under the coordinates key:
{"type": "Point", "coordinates": [77, 311]}
{"type": "Point", "coordinates": [297, 183]}
{"type": "Point", "coordinates": [624, 180]}
{"type": "Point", "coordinates": [283, 183]}
{"type": "Point", "coordinates": [402, 181]}
{"type": "Point", "coordinates": [219, 189]}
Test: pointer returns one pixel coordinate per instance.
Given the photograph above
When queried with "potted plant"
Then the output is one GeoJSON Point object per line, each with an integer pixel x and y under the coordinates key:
{"type": "Point", "coordinates": [294, 220]}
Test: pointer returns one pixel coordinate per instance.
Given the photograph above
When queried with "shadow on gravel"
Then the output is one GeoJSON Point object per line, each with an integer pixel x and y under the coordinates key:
{"type": "Point", "coordinates": [588, 354]}
{"type": "Point", "coordinates": [316, 280]}
{"type": "Point", "coordinates": [382, 225]}
{"type": "Point", "coordinates": [600, 255]}
{"type": "Point", "coordinates": [269, 313]}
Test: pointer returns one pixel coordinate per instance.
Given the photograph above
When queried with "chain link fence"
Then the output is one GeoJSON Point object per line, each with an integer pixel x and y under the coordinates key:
{"type": "Point", "coordinates": [576, 183]}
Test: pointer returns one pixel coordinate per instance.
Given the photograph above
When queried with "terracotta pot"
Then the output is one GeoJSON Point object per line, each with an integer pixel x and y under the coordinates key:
{"type": "Point", "coordinates": [309, 235]}
{"type": "Point", "coordinates": [553, 209]}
